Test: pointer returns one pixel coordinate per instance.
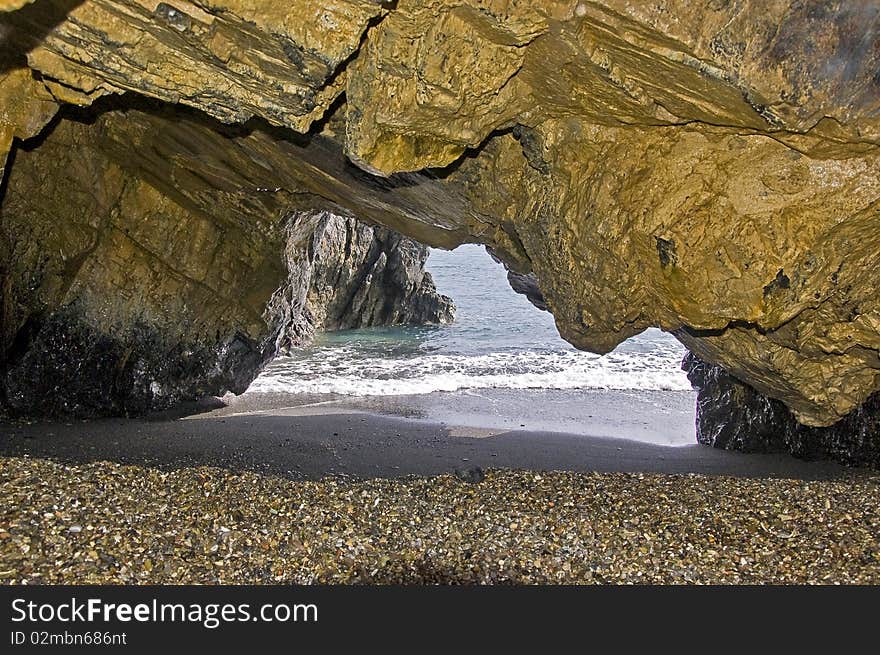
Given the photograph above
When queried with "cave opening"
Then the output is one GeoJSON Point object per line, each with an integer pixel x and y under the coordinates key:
{"type": "Point", "coordinates": [495, 364]}
{"type": "Point", "coordinates": [228, 354]}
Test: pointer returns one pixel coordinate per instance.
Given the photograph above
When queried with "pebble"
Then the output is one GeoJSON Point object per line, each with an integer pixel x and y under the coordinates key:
{"type": "Point", "coordinates": [207, 525]}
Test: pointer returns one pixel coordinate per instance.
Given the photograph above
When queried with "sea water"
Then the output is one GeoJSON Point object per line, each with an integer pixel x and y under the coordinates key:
{"type": "Point", "coordinates": [498, 340]}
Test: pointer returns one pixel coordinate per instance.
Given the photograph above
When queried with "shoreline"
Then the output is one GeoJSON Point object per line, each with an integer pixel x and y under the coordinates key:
{"type": "Point", "coordinates": [315, 490]}
{"type": "Point", "coordinates": [310, 437]}
{"type": "Point", "coordinates": [663, 418]}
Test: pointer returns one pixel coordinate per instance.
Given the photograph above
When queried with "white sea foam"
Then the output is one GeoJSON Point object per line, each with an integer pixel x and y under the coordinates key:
{"type": "Point", "coordinates": [498, 340]}
{"type": "Point", "coordinates": [341, 371]}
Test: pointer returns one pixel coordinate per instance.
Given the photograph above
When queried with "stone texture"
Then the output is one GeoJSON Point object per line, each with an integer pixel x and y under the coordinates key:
{"type": "Point", "coordinates": [689, 236]}
{"type": "Point", "coordinates": [233, 59]}
{"type": "Point", "coordinates": [733, 416]}
{"type": "Point", "coordinates": [9, 5]}
{"type": "Point", "coordinates": [664, 165]}
{"type": "Point", "coordinates": [709, 168]}
{"type": "Point", "coordinates": [527, 285]}
{"type": "Point", "coordinates": [125, 292]}
{"type": "Point", "coordinates": [27, 107]}
{"type": "Point", "coordinates": [344, 274]}
{"type": "Point", "coordinates": [119, 298]}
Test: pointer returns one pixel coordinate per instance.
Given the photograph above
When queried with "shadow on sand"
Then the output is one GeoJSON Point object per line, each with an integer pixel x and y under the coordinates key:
{"type": "Point", "coordinates": [367, 446]}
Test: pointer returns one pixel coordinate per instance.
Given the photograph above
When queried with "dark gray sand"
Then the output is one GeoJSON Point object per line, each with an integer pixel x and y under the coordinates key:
{"type": "Point", "coordinates": [314, 489]}
{"type": "Point", "coordinates": [662, 418]}
{"type": "Point", "coordinates": [311, 437]}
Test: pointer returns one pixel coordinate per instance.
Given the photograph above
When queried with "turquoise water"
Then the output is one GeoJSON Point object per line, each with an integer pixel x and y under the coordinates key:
{"type": "Point", "coordinates": [498, 340]}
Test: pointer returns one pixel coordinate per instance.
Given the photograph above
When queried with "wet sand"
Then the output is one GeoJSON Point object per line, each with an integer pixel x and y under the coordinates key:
{"type": "Point", "coordinates": [305, 437]}
{"type": "Point", "coordinates": [319, 490]}
{"type": "Point", "coordinates": [662, 418]}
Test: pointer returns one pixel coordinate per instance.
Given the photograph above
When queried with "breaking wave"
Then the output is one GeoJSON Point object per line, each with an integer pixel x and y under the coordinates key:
{"type": "Point", "coordinates": [344, 370]}
{"type": "Point", "coordinates": [498, 340]}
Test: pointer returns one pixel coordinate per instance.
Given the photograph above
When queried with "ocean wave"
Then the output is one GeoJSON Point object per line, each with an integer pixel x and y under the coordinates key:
{"type": "Point", "coordinates": [345, 371]}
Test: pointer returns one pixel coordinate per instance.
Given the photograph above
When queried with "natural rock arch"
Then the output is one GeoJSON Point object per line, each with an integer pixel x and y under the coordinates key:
{"type": "Point", "coordinates": [711, 170]}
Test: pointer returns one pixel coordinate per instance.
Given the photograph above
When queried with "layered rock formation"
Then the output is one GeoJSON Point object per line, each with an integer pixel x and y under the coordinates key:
{"type": "Point", "coordinates": [707, 168]}
{"type": "Point", "coordinates": [344, 274]}
{"type": "Point", "coordinates": [124, 292]}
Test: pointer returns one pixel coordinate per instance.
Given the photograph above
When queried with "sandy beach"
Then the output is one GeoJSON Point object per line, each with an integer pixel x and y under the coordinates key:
{"type": "Point", "coordinates": [310, 437]}
{"type": "Point", "coordinates": [307, 489]}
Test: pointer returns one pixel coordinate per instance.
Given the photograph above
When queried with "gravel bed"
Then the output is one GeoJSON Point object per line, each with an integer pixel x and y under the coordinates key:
{"type": "Point", "coordinates": [108, 523]}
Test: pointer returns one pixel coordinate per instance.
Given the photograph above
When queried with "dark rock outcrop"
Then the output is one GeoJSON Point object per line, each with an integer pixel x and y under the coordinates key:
{"type": "Point", "coordinates": [733, 416]}
{"type": "Point", "coordinates": [125, 292]}
{"type": "Point", "coordinates": [346, 274]}
{"type": "Point", "coordinates": [64, 366]}
{"type": "Point", "coordinates": [527, 285]}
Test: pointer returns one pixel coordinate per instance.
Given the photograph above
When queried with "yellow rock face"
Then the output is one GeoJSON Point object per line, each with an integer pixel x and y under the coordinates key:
{"type": "Point", "coordinates": [128, 250]}
{"type": "Point", "coordinates": [10, 5]}
{"type": "Point", "coordinates": [708, 168]}
{"type": "Point", "coordinates": [753, 254]}
{"type": "Point", "coordinates": [27, 107]}
{"type": "Point", "coordinates": [237, 60]}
